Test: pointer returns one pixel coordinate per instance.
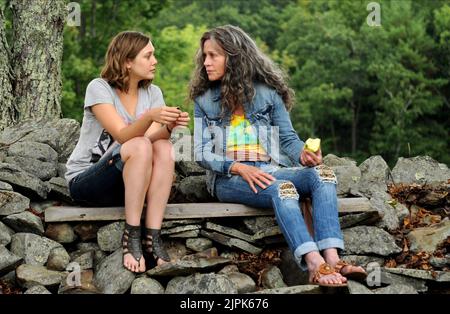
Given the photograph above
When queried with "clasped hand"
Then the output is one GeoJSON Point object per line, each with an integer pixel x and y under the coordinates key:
{"type": "Point", "coordinates": [172, 116]}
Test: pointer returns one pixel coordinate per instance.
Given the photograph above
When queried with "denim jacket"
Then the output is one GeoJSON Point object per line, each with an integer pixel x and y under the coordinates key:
{"type": "Point", "coordinates": [267, 115]}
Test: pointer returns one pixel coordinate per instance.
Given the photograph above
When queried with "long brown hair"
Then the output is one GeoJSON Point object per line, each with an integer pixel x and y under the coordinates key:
{"type": "Point", "coordinates": [244, 64]}
{"type": "Point", "coordinates": [124, 46]}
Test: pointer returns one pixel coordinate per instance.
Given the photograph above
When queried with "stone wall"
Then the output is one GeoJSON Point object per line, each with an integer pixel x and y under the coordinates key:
{"type": "Point", "coordinates": [221, 255]}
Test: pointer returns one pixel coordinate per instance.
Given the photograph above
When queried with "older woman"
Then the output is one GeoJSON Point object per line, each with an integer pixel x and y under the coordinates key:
{"type": "Point", "coordinates": [245, 139]}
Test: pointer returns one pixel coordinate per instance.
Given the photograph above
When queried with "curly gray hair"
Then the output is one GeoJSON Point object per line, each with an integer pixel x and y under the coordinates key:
{"type": "Point", "coordinates": [245, 63]}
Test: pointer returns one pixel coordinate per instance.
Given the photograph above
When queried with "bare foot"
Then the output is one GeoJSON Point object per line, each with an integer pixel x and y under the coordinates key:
{"type": "Point", "coordinates": [160, 262]}
{"type": "Point", "coordinates": [326, 274]}
{"type": "Point", "coordinates": [329, 278]}
{"type": "Point", "coordinates": [351, 269]}
{"type": "Point", "coordinates": [130, 263]}
{"type": "Point", "coordinates": [332, 258]}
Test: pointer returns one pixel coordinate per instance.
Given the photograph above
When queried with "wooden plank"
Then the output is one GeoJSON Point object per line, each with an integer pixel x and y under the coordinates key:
{"type": "Point", "coordinates": [231, 242]}
{"type": "Point", "coordinates": [186, 211]}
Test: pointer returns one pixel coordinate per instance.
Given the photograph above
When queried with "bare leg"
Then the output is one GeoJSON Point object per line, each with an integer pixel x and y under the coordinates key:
{"type": "Point", "coordinates": [137, 170]}
{"type": "Point", "coordinates": [331, 256]}
{"type": "Point", "coordinates": [160, 185]}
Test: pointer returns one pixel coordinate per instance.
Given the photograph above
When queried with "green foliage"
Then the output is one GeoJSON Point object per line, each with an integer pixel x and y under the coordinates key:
{"type": "Point", "coordinates": [175, 50]}
{"type": "Point", "coordinates": [364, 90]}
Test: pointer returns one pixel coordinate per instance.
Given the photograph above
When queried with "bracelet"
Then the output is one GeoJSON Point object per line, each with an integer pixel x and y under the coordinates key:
{"type": "Point", "coordinates": [168, 130]}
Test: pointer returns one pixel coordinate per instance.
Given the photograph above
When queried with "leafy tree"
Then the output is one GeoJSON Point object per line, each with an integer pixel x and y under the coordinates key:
{"type": "Point", "coordinates": [363, 90]}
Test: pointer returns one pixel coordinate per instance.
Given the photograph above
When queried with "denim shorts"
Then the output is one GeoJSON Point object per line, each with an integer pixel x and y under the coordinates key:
{"type": "Point", "coordinates": [101, 185]}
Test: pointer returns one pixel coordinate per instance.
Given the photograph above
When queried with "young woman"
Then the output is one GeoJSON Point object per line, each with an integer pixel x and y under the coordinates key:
{"type": "Point", "coordinates": [244, 137]}
{"type": "Point", "coordinates": [123, 155]}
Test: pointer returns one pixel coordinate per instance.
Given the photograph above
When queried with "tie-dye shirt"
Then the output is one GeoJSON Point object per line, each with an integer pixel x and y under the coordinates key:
{"type": "Point", "coordinates": [242, 141]}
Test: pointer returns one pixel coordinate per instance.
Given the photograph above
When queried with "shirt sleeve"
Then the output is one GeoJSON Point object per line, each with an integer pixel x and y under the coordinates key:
{"type": "Point", "coordinates": [157, 99]}
{"type": "Point", "coordinates": [98, 92]}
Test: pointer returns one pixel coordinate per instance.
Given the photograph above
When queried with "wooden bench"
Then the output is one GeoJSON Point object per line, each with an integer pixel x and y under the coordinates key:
{"type": "Point", "coordinates": [187, 211]}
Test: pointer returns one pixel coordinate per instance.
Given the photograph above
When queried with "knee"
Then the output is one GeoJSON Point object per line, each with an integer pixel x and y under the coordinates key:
{"type": "Point", "coordinates": [325, 174]}
{"type": "Point", "coordinates": [286, 190]}
{"type": "Point", "coordinates": [162, 149]}
{"type": "Point", "coordinates": [140, 147]}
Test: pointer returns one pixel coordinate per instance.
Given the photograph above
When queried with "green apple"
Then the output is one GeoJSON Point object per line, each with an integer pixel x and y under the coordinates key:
{"type": "Point", "coordinates": [312, 144]}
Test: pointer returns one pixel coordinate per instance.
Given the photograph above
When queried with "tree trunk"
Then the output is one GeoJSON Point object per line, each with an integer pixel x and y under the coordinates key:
{"type": "Point", "coordinates": [37, 56]}
{"type": "Point", "coordinates": [7, 110]}
{"type": "Point", "coordinates": [93, 13]}
{"type": "Point", "coordinates": [333, 137]}
{"type": "Point", "coordinates": [355, 118]}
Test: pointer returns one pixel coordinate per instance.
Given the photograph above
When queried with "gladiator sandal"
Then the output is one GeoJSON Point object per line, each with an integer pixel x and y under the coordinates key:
{"type": "Point", "coordinates": [153, 247]}
{"type": "Point", "coordinates": [131, 242]}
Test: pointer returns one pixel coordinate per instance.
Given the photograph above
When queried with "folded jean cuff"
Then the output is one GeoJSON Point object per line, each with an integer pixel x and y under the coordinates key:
{"type": "Point", "coordinates": [301, 250]}
{"type": "Point", "coordinates": [330, 243]}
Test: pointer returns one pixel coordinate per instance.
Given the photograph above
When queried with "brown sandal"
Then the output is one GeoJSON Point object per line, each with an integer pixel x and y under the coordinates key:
{"type": "Point", "coordinates": [325, 269]}
{"type": "Point", "coordinates": [357, 275]}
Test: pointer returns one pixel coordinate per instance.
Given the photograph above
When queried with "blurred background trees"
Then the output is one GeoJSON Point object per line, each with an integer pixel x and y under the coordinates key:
{"type": "Point", "coordinates": [364, 90]}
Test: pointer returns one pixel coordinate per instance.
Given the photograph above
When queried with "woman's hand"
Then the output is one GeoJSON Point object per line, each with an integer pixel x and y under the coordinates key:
{"type": "Point", "coordinates": [311, 159]}
{"type": "Point", "coordinates": [164, 115]}
{"type": "Point", "coordinates": [182, 121]}
{"type": "Point", "coordinates": [253, 175]}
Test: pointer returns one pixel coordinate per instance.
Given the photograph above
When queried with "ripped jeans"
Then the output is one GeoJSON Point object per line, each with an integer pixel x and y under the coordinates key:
{"type": "Point", "coordinates": [283, 195]}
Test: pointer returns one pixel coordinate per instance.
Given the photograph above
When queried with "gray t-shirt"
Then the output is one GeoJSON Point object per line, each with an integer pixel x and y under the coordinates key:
{"type": "Point", "coordinates": [94, 140]}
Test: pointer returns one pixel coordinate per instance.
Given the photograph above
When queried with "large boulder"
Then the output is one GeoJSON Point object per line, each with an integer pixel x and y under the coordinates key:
{"type": "Point", "coordinates": [111, 277]}
{"type": "Point", "coordinates": [271, 277]}
{"type": "Point", "coordinates": [31, 275]}
{"type": "Point", "coordinates": [34, 150]}
{"type": "Point", "coordinates": [60, 232]}
{"type": "Point", "coordinates": [58, 259]}
{"type": "Point", "coordinates": [201, 284]}
{"type": "Point", "coordinates": [364, 240]}
{"type": "Point", "coordinates": [145, 285]}
{"type": "Point", "coordinates": [69, 132]}
{"type": "Point", "coordinates": [59, 189]}
{"type": "Point", "coordinates": [381, 201]}
{"type": "Point", "coordinates": [23, 182]}
{"type": "Point", "coordinates": [428, 238]}
{"type": "Point", "coordinates": [347, 174]}
{"type": "Point", "coordinates": [420, 169]}
{"type": "Point", "coordinates": [41, 169]}
{"type": "Point", "coordinates": [32, 248]}
{"type": "Point", "coordinates": [193, 189]}
{"type": "Point", "coordinates": [25, 222]}
{"type": "Point", "coordinates": [61, 134]}
{"type": "Point", "coordinates": [189, 168]}
{"type": "Point", "coordinates": [374, 176]}
{"type": "Point", "coordinates": [109, 237]}
{"type": "Point", "coordinates": [5, 234]}
{"type": "Point", "coordinates": [12, 203]}
{"type": "Point", "coordinates": [8, 260]}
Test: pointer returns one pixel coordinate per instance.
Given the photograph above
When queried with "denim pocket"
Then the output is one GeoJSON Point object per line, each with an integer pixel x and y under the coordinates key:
{"type": "Point", "coordinates": [265, 114]}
